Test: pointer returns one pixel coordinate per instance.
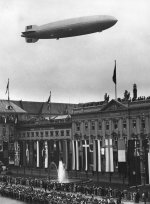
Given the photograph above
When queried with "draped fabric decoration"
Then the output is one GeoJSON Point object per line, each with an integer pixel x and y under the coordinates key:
{"type": "Point", "coordinates": [37, 154]}
{"type": "Point", "coordinates": [69, 144]}
{"type": "Point", "coordinates": [122, 165]}
{"type": "Point", "coordinates": [77, 154]}
{"type": "Point", "coordinates": [96, 156]}
{"type": "Point", "coordinates": [31, 152]}
{"type": "Point", "coordinates": [12, 153]}
{"type": "Point", "coordinates": [121, 150]}
{"type": "Point", "coordinates": [17, 153]}
{"type": "Point", "coordinates": [109, 155]}
{"type": "Point", "coordinates": [56, 152]}
{"type": "Point", "coordinates": [149, 165]}
{"type": "Point", "coordinates": [27, 154]}
{"type": "Point", "coordinates": [85, 146]}
{"type": "Point", "coordinates": [46, 154]}
{"type": "Point", "coordinates": [21, 152]}
{"type": "Point", "coordinates": [73, 156]}
{"type": "Point", "coordinates": [34, 153]}
{"type": "Point", "coordinates": [41, 154]}
{"type": "Point", "coordinates": [65, 154]}
{"type": "Point", "coordinates": [24, 153]}
{"type": "Point", "coordinates": [146, 158]}
{"type": "Point", "coordinates": [50, 150]}
{"type": "Point", "coordinates": [134, 163]}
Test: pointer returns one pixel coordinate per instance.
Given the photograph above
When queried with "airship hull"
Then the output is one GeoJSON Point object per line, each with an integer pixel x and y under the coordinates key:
{"type": "Point", "coordinates": [69, 27]}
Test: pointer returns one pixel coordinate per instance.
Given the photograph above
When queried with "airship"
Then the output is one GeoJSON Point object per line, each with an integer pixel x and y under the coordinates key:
{"type": "Point", "coordinates": [68, 28]}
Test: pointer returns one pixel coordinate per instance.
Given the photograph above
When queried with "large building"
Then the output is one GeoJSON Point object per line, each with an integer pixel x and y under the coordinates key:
{"type": "Point", "coordinates": [105, 141]}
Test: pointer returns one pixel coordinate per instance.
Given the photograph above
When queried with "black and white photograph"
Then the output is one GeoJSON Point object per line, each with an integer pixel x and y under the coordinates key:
{"type": "Point", "coordinates": [75, 102]}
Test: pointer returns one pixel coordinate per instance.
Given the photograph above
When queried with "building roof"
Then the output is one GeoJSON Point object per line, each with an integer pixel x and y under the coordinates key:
{"type": "Point", "coordinates": [10, 107]}
{"type": "Point", "coordinates": [38, 108]}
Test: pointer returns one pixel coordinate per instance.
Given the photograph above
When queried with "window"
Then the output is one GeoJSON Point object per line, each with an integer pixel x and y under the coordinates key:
{"type": "Point", "coordinates": [78, 126]}
{"type": "Point", "coordinates": [56, 133]}
{"type": "Point", "coordinates": [115, 124]}
{"type": "Point", "coordinates": [86, 125]}
{"type": "Point", "coordinates": [93, 125]}
{"type": "Point", "coordinates": [116, 142]}
{"type": "Point", "coordinates": [37, 134]}
{"type": "Point", "coordinates": [143, 123]}
{"type": "Point", "coordinates": [62, 132]}
{"type": "Point", "coordinates": [100, 125]}
{"type": "Point", "coordinates": [134, 123]}
{"type": "Point", "coordinates": [107, 125]}
{"type": "Point", "coordinates": [28, 134]}
{"type": "Point", "coordinates": [67, 132]}
{"type": "Point", "coordinates": [24, 134]}
{"type": "Point", "coordinates": [51, 133]}
{"type": "Point", "coordinates": [29, 27]}
{"type": "Point", "coordinates": [124, 123]}
{"type": "Point", "coordinates": [46, 133]}
{"type": "Point", "coordinates": [41, 134]}
{"type": "Point", "coordinates": [32, 133]}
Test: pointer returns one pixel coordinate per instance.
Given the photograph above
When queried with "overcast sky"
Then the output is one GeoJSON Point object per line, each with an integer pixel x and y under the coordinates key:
{"type": "Point", "coordinates": [77, 69]}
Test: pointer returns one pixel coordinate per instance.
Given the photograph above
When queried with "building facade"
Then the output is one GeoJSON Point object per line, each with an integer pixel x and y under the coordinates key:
{"type": "Point", "coordinates": [105, 141]}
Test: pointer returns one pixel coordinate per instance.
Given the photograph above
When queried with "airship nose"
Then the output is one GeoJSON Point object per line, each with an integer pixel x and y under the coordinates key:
{"type": "Point", "coordinates": [109, 21]}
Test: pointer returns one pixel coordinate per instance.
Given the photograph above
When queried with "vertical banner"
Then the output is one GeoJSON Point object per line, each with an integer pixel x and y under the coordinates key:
{"type": "Point", "coordinates": [85, 145]}
{"type": "Point", "coordinates": [27, 153]}
{"type": "Point", "coordinates": [133, 163]}
{"type": "Point", "coordinates": [21, 152]}
{"type": "Point", "coordinates": [73, 156]}
{"type": "Point", "coordinates": [17, 153]}
{"type": "Point", "coordinates": [149, 166]}
{"type": "Point", "coordinates": [69, 154]}
{"type": "Point", "coordinates": [122, 165]}
{"type": "Point", "coordinates": [121, 150]}
{"type": "Point", "coordinates": [1, 146]}
{"type": "Point", "coordinates": [31, 149]}
{"type": "Point", "coordinates": [97, 156]}
{"type": "Point", "coordinates": [24, 153]}
{"type": "Point", "coordinates": [65, 154]}
{"type": "Point", "coordinates": [109, 155]}
{"type": "Point", "coordinates": [12, 153]}
{"type": "Point", "coordinates": [46, 154]}
{"type": "Point", "coordinates": [41, 154]}
{"type": "Point", "coordinates": [37, 154]}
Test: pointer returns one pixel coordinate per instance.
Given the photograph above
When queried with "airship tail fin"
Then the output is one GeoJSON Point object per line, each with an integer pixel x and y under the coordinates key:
{"type": "Point", "coordinates": [31, 40]}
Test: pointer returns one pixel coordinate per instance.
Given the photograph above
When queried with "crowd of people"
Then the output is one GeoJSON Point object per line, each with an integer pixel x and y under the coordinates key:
{"type": "Point", "coordinates": [46, 191]}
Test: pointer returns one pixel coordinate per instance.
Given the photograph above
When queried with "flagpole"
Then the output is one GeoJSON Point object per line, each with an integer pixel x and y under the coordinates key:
{"type": "Point", "coordinates": [8, 89]}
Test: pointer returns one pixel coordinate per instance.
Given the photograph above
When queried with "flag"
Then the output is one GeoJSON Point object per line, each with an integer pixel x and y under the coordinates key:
{"type": "Point", "coordinates": [109, 155]}
{"type": "Point", "coordinates": [149, 166]}
{"type": "Point", "coordinates": [97, 156]}
{"type": "Point", "coordinates": [75, 155]}
{"type": "Point", "coordinates": [114, 74]}
{"type": "Point", "coordinates": [1, 146]}
{"type": "Point", "coordinates": [65, 153]}
{"type": "Point", "coordinates": [27, 153]}
{"type": "Point", "coordinates": [122, 165]}
{"type": "Point", "coordinates": [49, 101]}
{"type": "Point", "coordinates": [133, 163]}
{"type": "Point", "coordinates": [85, 145]}
{"type": "Point", "coordinates": [46, 154]}
{"type": "Point", "coordinates": [121, 151]}
{"type": "Point", "coordinates": [7, 87]}
{"type": "Point", "coordinates": [37, 153]}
